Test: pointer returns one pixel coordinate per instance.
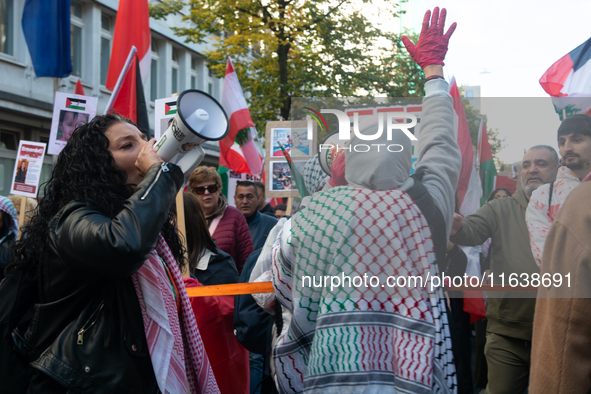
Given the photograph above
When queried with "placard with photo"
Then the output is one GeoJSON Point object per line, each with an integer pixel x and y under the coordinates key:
{"type": "Point", "coordinates": [70, 111]}
{"type": "Point", "coordinates": [27, 168]}
{"type": "Point", "coordinates": [280, 177]}
{"type": "Point", "coordinates": [293, 135]}
{"type": "Point", "coordinates": [294, 140]}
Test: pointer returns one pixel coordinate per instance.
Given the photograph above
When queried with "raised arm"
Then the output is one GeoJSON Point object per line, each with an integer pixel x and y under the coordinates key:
{"type": "Point", "coordinates": [439, 155]}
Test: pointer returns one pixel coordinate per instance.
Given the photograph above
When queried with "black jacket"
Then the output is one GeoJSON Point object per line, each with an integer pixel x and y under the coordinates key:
{"type": "Point", "coordinates": [86, 282]}
{"type": "Point", "coordinates": [220, 271]}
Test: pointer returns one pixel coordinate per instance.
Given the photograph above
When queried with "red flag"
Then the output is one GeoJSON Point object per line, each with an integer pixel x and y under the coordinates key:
{"type": "Point", "coordinates": [79, 89]}
{"type": "Point", "coordinates": [238, 151]}
{"type": "Point", "coordinates": [128, 98]}
{"type": "Point", "coordinates": [132, 28]}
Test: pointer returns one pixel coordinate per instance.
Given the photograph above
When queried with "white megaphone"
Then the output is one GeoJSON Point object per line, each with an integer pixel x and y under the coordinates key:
{"type": "Point", "coordinates": [329, 150]}
{"type": "Point", "coordinates": [199, 118]}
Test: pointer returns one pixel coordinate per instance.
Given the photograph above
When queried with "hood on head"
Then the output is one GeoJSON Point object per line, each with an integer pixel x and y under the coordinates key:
{"type": "Point", "coordinates": [383, 170]}
{"type": "Point", "coordinates": [7, 207]}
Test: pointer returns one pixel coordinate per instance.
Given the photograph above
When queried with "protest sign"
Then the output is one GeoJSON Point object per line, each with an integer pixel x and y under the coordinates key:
{"type": "Point", "coordinates": [164, 111]}
{"type": "Point", "coordinates": [27, 169]}
{"type": "Point", "coordinates": [70, 111]}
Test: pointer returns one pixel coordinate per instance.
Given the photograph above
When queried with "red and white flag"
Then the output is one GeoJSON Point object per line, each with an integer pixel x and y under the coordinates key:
{"type": "Point", "coordinates": [132, 28]}
{"type": "Point", "coordinates": [468, 185]}
{"type": "Point", "coordinates": [568, 81]}
{"type": "Point", "coordinates": [470, 193]}
{"type": "Point", "coordinates": [238, 150]}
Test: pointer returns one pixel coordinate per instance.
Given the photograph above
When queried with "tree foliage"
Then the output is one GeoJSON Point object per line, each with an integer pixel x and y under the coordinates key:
{"type": "Point", "coordinates": [299, 48]}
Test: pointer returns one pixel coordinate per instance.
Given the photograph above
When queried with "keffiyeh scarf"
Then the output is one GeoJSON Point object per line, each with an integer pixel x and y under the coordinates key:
{"type": "Point", "coordinates": [314, 177]}
{"type": "Point", "coordinates": [365, 339]}
{"type": "Point", "coordinates": [176, 349]}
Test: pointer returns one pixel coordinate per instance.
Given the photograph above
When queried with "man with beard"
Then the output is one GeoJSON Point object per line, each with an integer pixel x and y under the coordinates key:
{"type": "Point", "coordinates": [574, 142]}
{"type": "Point", "coordinates": [510, 319]}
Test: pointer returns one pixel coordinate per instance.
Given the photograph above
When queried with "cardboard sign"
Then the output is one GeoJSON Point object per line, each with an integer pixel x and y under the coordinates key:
{"type": "Point", "coordinates": [70, 111]}
{"type": "Point", "coordinates": [293, 135]}
{"type": "Point", "coordinates": [233, 179]}
{"type": "Point", "coordinates": [27, 168]}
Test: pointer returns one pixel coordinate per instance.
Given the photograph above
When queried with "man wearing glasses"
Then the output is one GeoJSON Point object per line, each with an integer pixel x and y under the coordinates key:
{"type": "Point", "coordinates": [246, 200]}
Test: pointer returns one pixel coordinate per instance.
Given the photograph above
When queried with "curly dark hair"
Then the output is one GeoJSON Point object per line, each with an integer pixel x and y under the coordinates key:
{"type": "Point", "coordinates": [85, 171]}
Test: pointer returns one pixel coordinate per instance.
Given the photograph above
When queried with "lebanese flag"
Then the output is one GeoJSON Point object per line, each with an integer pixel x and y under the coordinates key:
{"type": "Point", "coordinates": [128, 98]}
{"type": "Point", "coordinates": [238, 150]}
{"type": "Point", "coordinates": [79, 89]}
{"type": "Point", "coordinates": [484, 158]}
{"type": "Point", "coordinates": [468, 186]}
{"type": "Point", "coordinates": [568, 81]}
{"type": "Point", "coordinates": [470, 193]}
{"type": "Point", "coordinates": [132, 28]}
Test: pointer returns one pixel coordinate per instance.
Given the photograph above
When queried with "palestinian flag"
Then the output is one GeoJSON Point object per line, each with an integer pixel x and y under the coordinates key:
{"type": "Point", "coordinates": [128, 98]}
{"type": "Point", "coordinates": [568, 81]}
{"type": "Point", "coordinates": [75, 103]}
{"type": "Point", "coordinates": [132, 29]}
{"type": "Point", "coordinates": [297, 177]}
{"type": "Point", "coordinates": [170, 108]}
{"type": "Point", "coordinates": [484, 158]}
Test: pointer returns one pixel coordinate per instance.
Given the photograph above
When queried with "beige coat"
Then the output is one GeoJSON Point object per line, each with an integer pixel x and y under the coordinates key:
{"type": "Point", "coordinates": [561, 348]}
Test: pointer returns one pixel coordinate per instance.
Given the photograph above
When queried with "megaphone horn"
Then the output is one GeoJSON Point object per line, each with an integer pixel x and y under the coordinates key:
{"type": "Point", "coordinates": [199, 118]}
{"type": "Point", "coordinates": [329, 150]}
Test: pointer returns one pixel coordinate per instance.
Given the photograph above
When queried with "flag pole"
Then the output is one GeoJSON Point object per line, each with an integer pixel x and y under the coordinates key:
{"type": "Point", "coordinates": [124, 70]}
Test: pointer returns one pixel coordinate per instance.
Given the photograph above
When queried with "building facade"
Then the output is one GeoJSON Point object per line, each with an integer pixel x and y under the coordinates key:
{"type": "Point", "coordinates": [26, 102]}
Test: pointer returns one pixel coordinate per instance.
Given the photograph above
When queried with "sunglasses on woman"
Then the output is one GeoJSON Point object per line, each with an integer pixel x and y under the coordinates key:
{"type": "Point", "coordinates": [200, 190]}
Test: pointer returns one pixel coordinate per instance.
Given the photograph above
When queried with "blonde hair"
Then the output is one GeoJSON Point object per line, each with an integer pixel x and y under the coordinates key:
{"type": "Point", "coordinates": [30, 206]}
{"type": "Point", "coordinates": [204, 174]}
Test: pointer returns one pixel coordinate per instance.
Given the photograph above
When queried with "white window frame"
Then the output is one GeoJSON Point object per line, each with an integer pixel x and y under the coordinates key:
{"type": "Point", "coordinates": [154, 57]}
{"type": "Point", "coordinates": [79, 22]}
{"type": "Point", "coordinates": [11, 34]}
{"type": "Point", "coordinates": [107, 34]}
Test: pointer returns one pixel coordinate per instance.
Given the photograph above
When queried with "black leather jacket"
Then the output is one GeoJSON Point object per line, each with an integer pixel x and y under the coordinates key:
{"type": "Point", "coordinates": [86, 284]}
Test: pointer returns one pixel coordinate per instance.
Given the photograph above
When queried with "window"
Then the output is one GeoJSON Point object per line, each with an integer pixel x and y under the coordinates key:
{"type": "Point", "coordinates": [175, 71]}
{"type": "Point", "coordinates": [7, 26]}
{"type": "Point", "coordinates": [9, 139]}
{"type": "Point", "coordinates": [469, 94]}
{"type": "Point", "coordinates": [76, 37]}
{"type": "Point", "coordinates": [154, 72]}
{"type": "Point", "coordinates": [106, 40]}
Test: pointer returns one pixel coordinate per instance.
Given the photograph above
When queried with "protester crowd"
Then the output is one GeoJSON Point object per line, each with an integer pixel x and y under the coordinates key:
{"type": "Point", "coordinates": [94, 299]}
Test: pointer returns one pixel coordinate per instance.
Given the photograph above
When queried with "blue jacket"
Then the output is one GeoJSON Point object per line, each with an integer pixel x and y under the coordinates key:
{"type": "Point", "coordinates": [259, 226]}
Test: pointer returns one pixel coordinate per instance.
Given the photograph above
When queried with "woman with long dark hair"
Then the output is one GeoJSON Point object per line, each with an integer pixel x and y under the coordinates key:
{"type": "Point", "coordinates": [102, 252]}
{"type": "Point", "coordinates": [215, 315]}
{"type": "Point", "coordinates": [209, 264]}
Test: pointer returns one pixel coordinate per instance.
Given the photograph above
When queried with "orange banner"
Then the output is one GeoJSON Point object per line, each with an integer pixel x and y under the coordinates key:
{"type": "Point", "coordinates": [267, 287]}
{"type": "Point", "coordinates": [232, 289]}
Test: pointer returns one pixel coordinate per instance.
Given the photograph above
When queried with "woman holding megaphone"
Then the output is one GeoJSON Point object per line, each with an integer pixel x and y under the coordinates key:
{"type": "Point", "coordinates": [100, 302]}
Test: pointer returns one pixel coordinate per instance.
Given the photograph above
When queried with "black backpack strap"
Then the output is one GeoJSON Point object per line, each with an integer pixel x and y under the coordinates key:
{"type": "Point", "coordinates": [421, 196]}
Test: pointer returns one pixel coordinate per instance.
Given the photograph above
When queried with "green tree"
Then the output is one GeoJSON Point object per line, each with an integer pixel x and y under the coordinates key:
{"type": "Point", "coordinates": [299, 48]}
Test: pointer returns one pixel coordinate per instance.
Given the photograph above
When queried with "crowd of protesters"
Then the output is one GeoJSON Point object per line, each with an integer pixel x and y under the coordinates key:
{"type": "Point", "coordinates": [94, 299]}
